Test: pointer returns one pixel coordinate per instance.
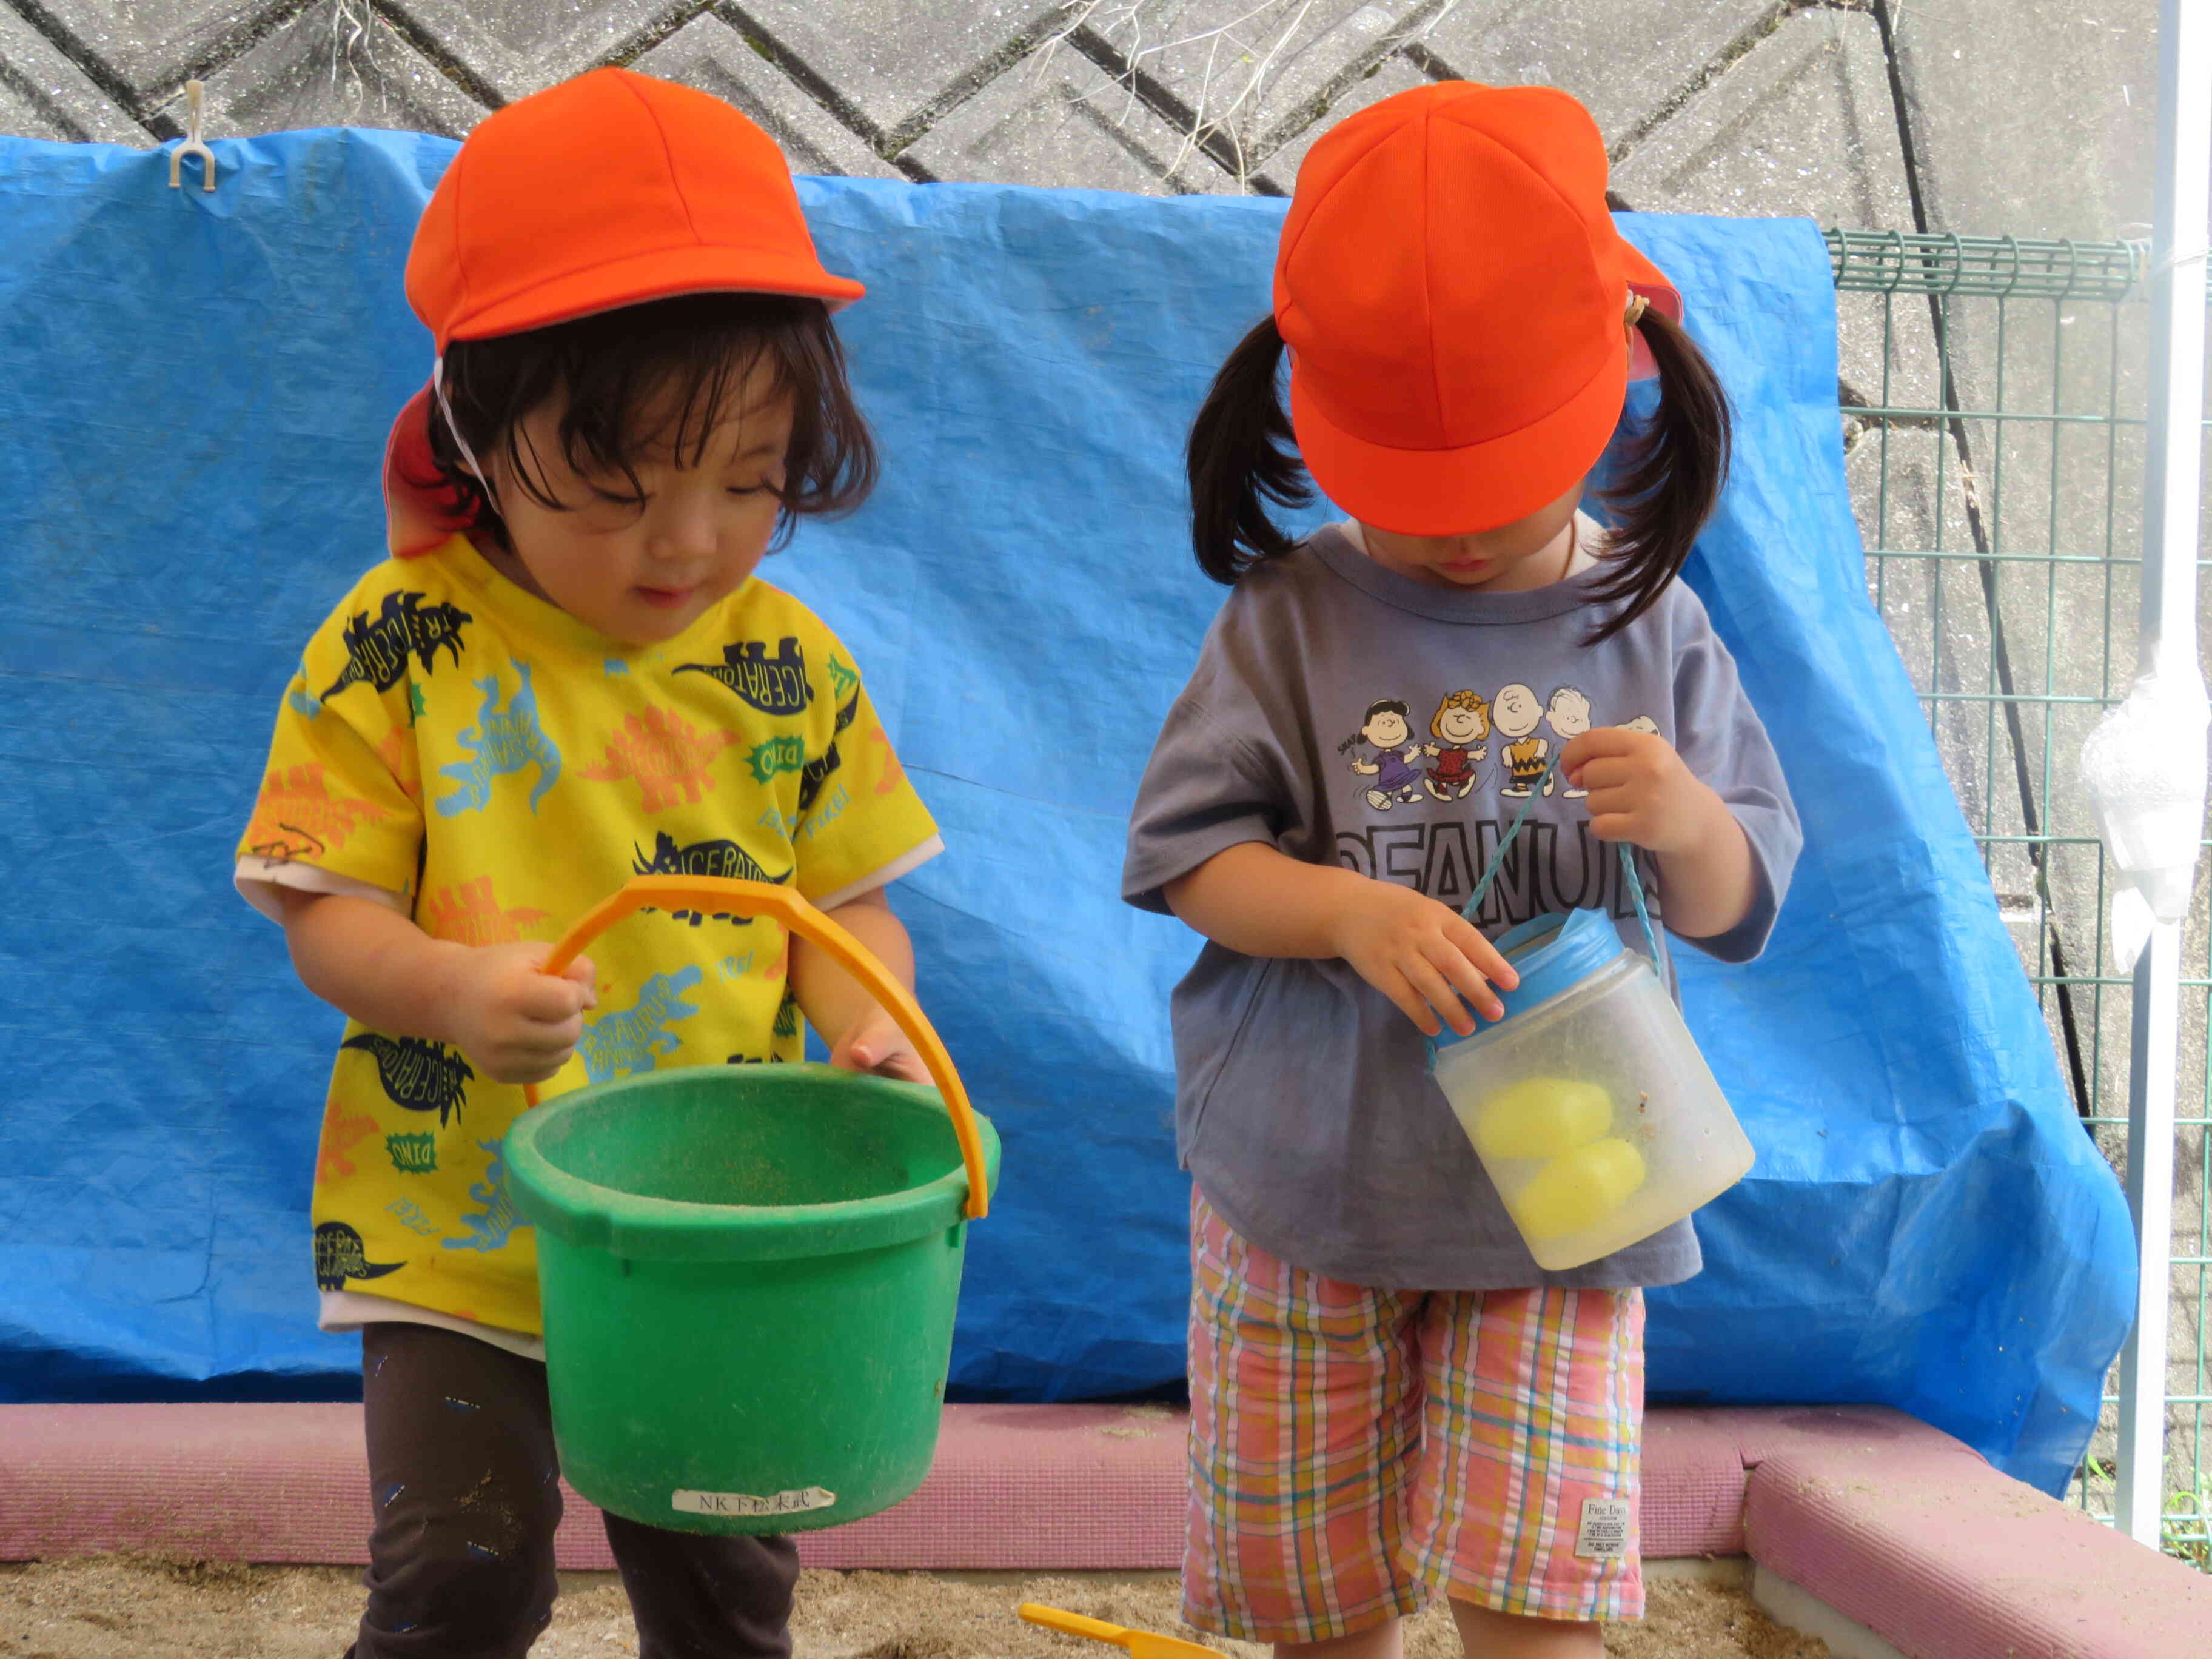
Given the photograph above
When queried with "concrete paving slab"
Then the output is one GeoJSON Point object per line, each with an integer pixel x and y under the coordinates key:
{"type": "Point", "coordinates": [1629, 61]}
{"type": "Point", "coordinates": [2036, 118]}
{"type": "Point", "coordinates": [153, 46]}
{"type": "Point", "coordinates": [1249, 75]}
{"type": "Point", "coordinates": [1058, 120]}
{"type": "Point", "coordinates": [516, 47]}
{"type": "Point", "coordinates": [294, 78]}
{"type": "Point", "coordinates": [893, 68]}
{"type": "Point", "coordinates": [1801, 124]}
{"type": "Point", "coordinates": [1394, 74]}
{"type": "Point", "coordinates": [708, 54]}
{"type": "Point", "coordinates": [44, 95]}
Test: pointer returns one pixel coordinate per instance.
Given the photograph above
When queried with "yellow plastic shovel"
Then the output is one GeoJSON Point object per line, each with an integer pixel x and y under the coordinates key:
{"type": "Point", "coordinates": [1141, 1644]}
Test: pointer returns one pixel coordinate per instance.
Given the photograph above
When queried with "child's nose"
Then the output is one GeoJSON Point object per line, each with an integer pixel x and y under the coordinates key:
{"type": "Point", "coordinates": [683, 530]}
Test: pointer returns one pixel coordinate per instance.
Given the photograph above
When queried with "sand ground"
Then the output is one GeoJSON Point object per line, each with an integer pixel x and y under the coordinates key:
{"type": "Point", "coordinates": [112, 1607]}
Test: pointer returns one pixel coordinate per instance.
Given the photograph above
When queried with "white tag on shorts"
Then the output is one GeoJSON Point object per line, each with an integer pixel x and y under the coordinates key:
{"type": "Point", "coordinates": [1604, 1532]}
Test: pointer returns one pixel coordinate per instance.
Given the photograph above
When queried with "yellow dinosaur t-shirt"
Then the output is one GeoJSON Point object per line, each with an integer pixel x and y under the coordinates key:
{"type": "Point", "coordinates": [483, 762]}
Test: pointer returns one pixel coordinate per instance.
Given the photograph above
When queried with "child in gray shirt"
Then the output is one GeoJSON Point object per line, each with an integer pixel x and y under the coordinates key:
{"type": "Point", "coordinates": [1344, 713]}
{"type": "Point", "coordinates": [1390, 1398]}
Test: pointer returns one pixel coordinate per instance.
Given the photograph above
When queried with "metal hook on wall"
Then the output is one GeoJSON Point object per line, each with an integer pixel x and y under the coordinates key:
{"type": "Point", "coordinates": [194, 92]}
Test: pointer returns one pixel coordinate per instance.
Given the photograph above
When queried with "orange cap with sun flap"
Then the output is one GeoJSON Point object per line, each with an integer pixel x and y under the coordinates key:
{"type": "Point", "coordinates": [607, 191]}
{"type": "Point", "coordinates": [1453, 291]}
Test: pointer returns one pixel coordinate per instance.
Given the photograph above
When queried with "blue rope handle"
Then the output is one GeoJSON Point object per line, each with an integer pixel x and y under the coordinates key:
{"type": "Point", "coordinates": [1506, 842]}
{"type": "Point", "coordinates": [1636, 892]}
{"type": "Point", "coordinates": [1635, 883]}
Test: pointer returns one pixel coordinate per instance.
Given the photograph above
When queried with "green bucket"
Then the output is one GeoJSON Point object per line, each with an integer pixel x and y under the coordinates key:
{"type": "Point", "coordinates": [749, 1274]}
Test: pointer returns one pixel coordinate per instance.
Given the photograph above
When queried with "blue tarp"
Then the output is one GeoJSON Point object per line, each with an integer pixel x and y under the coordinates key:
{"type": "Point", "coordinates": [194, 391]}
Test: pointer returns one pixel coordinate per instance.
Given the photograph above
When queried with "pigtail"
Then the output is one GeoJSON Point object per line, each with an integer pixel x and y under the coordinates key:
{"type": "Point", "coordinates": [1670, 479]}
{"type": "Point", "coordinates": [1242, 456]}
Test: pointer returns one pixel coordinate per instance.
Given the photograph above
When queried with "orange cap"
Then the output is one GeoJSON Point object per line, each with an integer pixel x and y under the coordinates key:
{"type": "Point", "coordinates": [606, 191]}
{"type": "Point", "coordinates": [1453, 292]}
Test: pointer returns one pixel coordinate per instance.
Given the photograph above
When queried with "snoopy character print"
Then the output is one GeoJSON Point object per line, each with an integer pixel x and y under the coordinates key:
{"type": "Point", "coordinates": [1387, 730]}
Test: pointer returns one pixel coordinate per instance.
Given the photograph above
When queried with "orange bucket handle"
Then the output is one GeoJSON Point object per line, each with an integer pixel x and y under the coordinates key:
{"type": "Point", "coordinates": [781, 904]}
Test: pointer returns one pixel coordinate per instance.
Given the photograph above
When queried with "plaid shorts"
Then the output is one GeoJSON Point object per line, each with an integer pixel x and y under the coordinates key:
{"type": "Point", "coordinates": [1356, 1452]}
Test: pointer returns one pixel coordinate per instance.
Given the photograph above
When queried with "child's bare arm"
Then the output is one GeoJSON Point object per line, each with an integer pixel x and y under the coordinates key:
{"type": "Point", "coordinates": [1424, 956]}
{"type": "Point", "coordinates": [1711, 883]}
{"type": "Point", "coordinates": [514, 1022]}
{"type": "Point", "coordinates": [862, 1037]}
{"type": "Point", "coordinates": [1642, 792]}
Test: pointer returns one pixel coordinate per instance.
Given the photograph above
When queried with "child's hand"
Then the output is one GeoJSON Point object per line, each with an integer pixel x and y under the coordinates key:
{"type": "Point", "coordinates": [515, 1024]}
{"type": "Point", "coordinates": [1422, 955]}
{"type": "Point", "coordinates": [1641, 791]}
{"type": "Point", "coordinates": [876, 1044]}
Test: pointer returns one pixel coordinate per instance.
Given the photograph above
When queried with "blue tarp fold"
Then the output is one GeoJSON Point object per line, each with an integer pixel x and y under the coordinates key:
{"type": "Point", "coordinates": [195, 391]}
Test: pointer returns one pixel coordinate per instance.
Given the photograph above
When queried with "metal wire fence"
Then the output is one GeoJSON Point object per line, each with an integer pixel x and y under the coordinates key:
{"type": "Point", "coordinates": [1993, 392]}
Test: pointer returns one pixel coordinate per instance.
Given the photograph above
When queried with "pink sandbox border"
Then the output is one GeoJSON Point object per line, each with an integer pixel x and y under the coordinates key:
{"type": "Point", "coordinates": [1891, 1523]}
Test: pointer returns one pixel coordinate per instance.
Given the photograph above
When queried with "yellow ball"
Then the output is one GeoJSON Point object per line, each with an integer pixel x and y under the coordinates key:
{"type": "Point", "coordinates": [1577, 1189]}
{"type": "Point", "coordinates": [1540, 1117]}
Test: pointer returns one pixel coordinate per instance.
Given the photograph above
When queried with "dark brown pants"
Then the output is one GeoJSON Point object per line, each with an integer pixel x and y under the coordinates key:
{"type": "Point", "coordinates": [466, 1493]}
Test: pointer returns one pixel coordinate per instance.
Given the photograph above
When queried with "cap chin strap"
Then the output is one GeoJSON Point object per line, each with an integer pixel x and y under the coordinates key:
{"type": "Point", "coordinates": [446, 408]}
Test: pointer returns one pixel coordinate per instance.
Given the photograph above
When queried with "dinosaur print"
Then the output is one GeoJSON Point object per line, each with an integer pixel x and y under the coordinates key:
{"type": "Point", "coordinates": [894, 769]}
{"type": "Point", "coordinates": [815, 773]}
{"type": "Point", "coordinates": [775, 685]}
{"type": "Point", "coordinates": [377, 652]}
{"type": "Point", "coordinates": [490, 1227]}
{"type": "Point", "coordinates": [633, 1040]}
{"type": "Point", "coordinates": [417, 1074]}
{"type": "Point", "coordinates": [401, 760]}
{"type": "Point", "coordinates": [470, 913]}
{"type": "Point", "coordinates": [340, 1255]}
{"type": "Point", "coordinates": [340, 1136]}
{"type": "Point", "coordinates": [297, 817]}
{"type": "Point", "coordinates": [500, 744]}
{"type": "Point", "coordinates": [304, 703]}
{"type": "Point", "coordinates": [702, 857]}
{"type": "Point", "coordinates": [665, 754]}
{"type": "Point", "coordinates": [784, 754]}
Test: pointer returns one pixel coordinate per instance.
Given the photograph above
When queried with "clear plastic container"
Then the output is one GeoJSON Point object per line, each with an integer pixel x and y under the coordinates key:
{"type": "Point", "coordinates": [1592, 1110]}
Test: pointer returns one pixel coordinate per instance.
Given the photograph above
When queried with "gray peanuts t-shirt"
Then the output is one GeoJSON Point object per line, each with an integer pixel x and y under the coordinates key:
{"type": "Point", "coordinates": [1342, 712]}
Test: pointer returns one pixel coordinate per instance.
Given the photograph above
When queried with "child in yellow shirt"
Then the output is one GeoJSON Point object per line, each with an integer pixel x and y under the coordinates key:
{"type": "Point", "coordinates": [569, 672]}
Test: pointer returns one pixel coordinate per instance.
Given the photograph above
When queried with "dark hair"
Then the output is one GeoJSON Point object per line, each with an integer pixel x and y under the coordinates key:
{"type": "Point", "coordinates": [1670, 476]}
{"type": "Point", "coordinates": [663, 371]}
{"type": "Point", "coordinates": [1242, 456]}
{"type": "Point", "coordinates": [1242, 450]}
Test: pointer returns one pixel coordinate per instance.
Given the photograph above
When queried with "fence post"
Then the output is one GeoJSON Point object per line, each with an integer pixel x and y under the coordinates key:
{"type": "Point", "coordinates": [2168, 647]}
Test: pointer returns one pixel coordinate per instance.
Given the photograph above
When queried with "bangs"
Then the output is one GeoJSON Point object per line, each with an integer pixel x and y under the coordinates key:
{"type": "Point", "coordinates": [654, 382]}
